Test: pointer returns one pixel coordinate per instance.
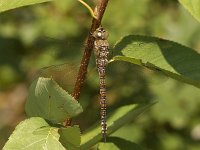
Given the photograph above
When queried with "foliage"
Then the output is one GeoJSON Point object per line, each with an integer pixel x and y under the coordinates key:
{"type": "Point", "coordinates": [49, 101]}
{"type": "Point", "coordinates": [171, 58]}
{"type": "Point", "coordinates": [11, 4]}
{"type": "Point", "coordinates": [115, 143]}
{"type": "Point", "coordinates": [121, 116]}
{"type": "Point", "coordinates": [35, 133]}
{"type": "Point", "coordinates": [193, 7]}
{"type": "Point", "coordinates": [167, 125]}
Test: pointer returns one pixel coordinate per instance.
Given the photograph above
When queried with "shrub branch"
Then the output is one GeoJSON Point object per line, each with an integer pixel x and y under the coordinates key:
{"type": "Point", "coordinates": [99, 12]}
{"type": "Point", "coordinates": [96, 22]}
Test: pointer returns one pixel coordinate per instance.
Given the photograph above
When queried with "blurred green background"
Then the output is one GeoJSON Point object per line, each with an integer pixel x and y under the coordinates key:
{"type": "Point", "coordinates": [53, 33]}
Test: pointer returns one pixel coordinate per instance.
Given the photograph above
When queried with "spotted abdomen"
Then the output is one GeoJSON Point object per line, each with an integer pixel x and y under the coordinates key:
{"type": "Point", "coordinates": [101, 51]}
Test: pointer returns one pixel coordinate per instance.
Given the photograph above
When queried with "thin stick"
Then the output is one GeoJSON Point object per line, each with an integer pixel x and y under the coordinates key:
{"type": "Point", "coordinates": [98, 12]}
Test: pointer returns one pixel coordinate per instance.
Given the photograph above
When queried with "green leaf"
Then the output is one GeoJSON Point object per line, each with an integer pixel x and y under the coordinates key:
{"type": "Point", "coordinates": [121, 116]}
{"type": "Point", "coordinates": [34, 134]}
{"type": "Point", "coordinates": [193, 6]}
{"type": "Point", "coordinates": [48, 100]}
{"type": "Point", "coordinates": [174, 60]}
{"type": "Point", "coordinates": [116, 143]}
{"type": "Point", "coordinates": [70, 137]}
{"type": "Point", "coordinates": [11, 4]}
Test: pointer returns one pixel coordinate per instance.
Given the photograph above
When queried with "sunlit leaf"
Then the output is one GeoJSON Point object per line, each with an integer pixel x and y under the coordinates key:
{"type": "Point", "coordinates": [193, 6]}
{"type": "Point", "coordinates": [48, 100]}
{"type": "Point", "coordinates": [11, 4]}
{"type": "Point", "coordinates": [116, 120]}
{"type": "Point", "coordinates": [34, 134]}
{"type": "Point", "coordinates": [174, 60]}
{"type": "Point", "coordinates": [70, 137]}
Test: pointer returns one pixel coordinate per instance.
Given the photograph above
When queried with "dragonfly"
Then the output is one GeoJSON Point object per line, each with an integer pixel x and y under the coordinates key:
{"type": "Point", "coordinates": [69, 72]}
{"type": "Point", "coordinates": [101, 51]}
{"type": "Point", "coordinates": [65, 74]}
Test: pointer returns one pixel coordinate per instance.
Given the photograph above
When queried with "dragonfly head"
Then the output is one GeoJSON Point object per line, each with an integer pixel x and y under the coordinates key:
{"type": "Point", "coordinates": [100, 33]}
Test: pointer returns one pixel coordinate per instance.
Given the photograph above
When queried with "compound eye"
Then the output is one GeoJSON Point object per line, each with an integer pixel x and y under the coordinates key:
{"type": "Point", "coordinates": [99, 34]}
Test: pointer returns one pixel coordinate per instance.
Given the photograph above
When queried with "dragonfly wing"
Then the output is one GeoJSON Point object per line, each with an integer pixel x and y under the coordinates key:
{"type": "Point", "coordinates": [64, 74]}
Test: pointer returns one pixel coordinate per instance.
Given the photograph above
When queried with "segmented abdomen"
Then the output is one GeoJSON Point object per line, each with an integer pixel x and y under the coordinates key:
{"type": "Point", "coordinates": [101, 51]}
{"type": "Point", "coordinates": [101, 70]}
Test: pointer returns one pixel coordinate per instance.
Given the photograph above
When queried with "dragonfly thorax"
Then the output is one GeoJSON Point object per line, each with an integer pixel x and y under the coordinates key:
{"type": "Point", "coordinates": [103, 54]}
{"type": "Point", "coordinates": [101, 48]}
{"type": "Point", "coordinates": [100, 33]}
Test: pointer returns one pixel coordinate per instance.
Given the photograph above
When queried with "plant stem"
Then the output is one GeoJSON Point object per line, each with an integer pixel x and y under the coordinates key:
{"type": "Point", "coordinates": [96, 22]}
{"type": "Point", "coordinates": [99, 12]}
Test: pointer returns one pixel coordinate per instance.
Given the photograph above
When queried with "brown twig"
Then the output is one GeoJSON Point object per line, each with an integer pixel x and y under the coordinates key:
{"type": "Point", "coordinates": [98, 11]}
{"type": "Point", "coordinates": [96, 22]}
